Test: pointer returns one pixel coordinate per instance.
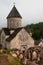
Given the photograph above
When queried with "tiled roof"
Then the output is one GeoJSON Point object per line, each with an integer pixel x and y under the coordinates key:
{"type": "Point", "coordinates": [13, 34]}
{"type": "Point", "coordinates": [14, 13]}
{"type": "Point", "coordinates": [6, 31]}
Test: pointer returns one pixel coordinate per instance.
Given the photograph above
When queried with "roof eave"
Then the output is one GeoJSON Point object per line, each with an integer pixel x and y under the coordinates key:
{"type": "Point", "coordinates": [13, 17]}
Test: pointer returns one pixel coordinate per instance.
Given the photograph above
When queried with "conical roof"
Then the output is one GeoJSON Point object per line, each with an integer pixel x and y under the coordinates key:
{"type": "Point", "coordinates": [14, 13]}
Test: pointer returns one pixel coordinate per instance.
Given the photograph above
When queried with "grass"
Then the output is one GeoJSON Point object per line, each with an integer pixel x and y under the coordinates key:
{"type": "Point", "coordinates": [11, 59]}
{"type": "Point", "coordinates": [14, 61]}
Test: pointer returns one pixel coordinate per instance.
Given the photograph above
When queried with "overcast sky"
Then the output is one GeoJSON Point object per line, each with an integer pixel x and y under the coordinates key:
{"type": "Point", "coordinates": [30, 10]}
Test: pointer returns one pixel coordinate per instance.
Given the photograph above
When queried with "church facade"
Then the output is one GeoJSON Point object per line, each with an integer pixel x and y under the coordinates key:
{"type": "Point", "coordinates": [15, 36]}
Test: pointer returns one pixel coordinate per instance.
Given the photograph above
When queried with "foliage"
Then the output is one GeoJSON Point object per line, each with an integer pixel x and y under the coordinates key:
{"type": "Point", "coordinates": [36, 30]}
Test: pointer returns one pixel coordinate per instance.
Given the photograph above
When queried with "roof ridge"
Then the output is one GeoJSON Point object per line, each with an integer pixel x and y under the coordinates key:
{"type": "Point", "coordinates": [13, 34]}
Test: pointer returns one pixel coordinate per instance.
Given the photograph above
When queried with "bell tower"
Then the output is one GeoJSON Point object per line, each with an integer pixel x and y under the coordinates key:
{"type": "Point", "coordinates": [14, 19]}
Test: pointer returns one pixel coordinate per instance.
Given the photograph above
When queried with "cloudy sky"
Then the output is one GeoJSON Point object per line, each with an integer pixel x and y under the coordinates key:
{"type": "Point", "coordinates": [31, 11]}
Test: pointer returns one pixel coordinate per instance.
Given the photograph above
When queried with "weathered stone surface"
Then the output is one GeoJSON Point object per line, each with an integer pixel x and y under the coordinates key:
{"type": "Point", "coordinates": [13, 22]}
{"type": "Point", "coordinates": [25, 41]}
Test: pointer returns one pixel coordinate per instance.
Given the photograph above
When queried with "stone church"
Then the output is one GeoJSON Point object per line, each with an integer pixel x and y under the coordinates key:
{"type": "Point", "coordinates": [15, 36]}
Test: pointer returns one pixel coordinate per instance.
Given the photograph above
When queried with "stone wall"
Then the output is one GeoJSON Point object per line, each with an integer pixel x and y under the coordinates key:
{"type": "Point", "coordinates": [14, 22]}
{"type": "Point", "coordinates": [22, 38]}
{"type": "Point", "coordinates": [3, 39]}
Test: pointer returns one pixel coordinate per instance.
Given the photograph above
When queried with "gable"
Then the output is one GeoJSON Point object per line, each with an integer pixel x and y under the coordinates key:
{"type": "Point", "coordinates": [23, 35]}
{"type": "Point", "coordinates": [22, 39]}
